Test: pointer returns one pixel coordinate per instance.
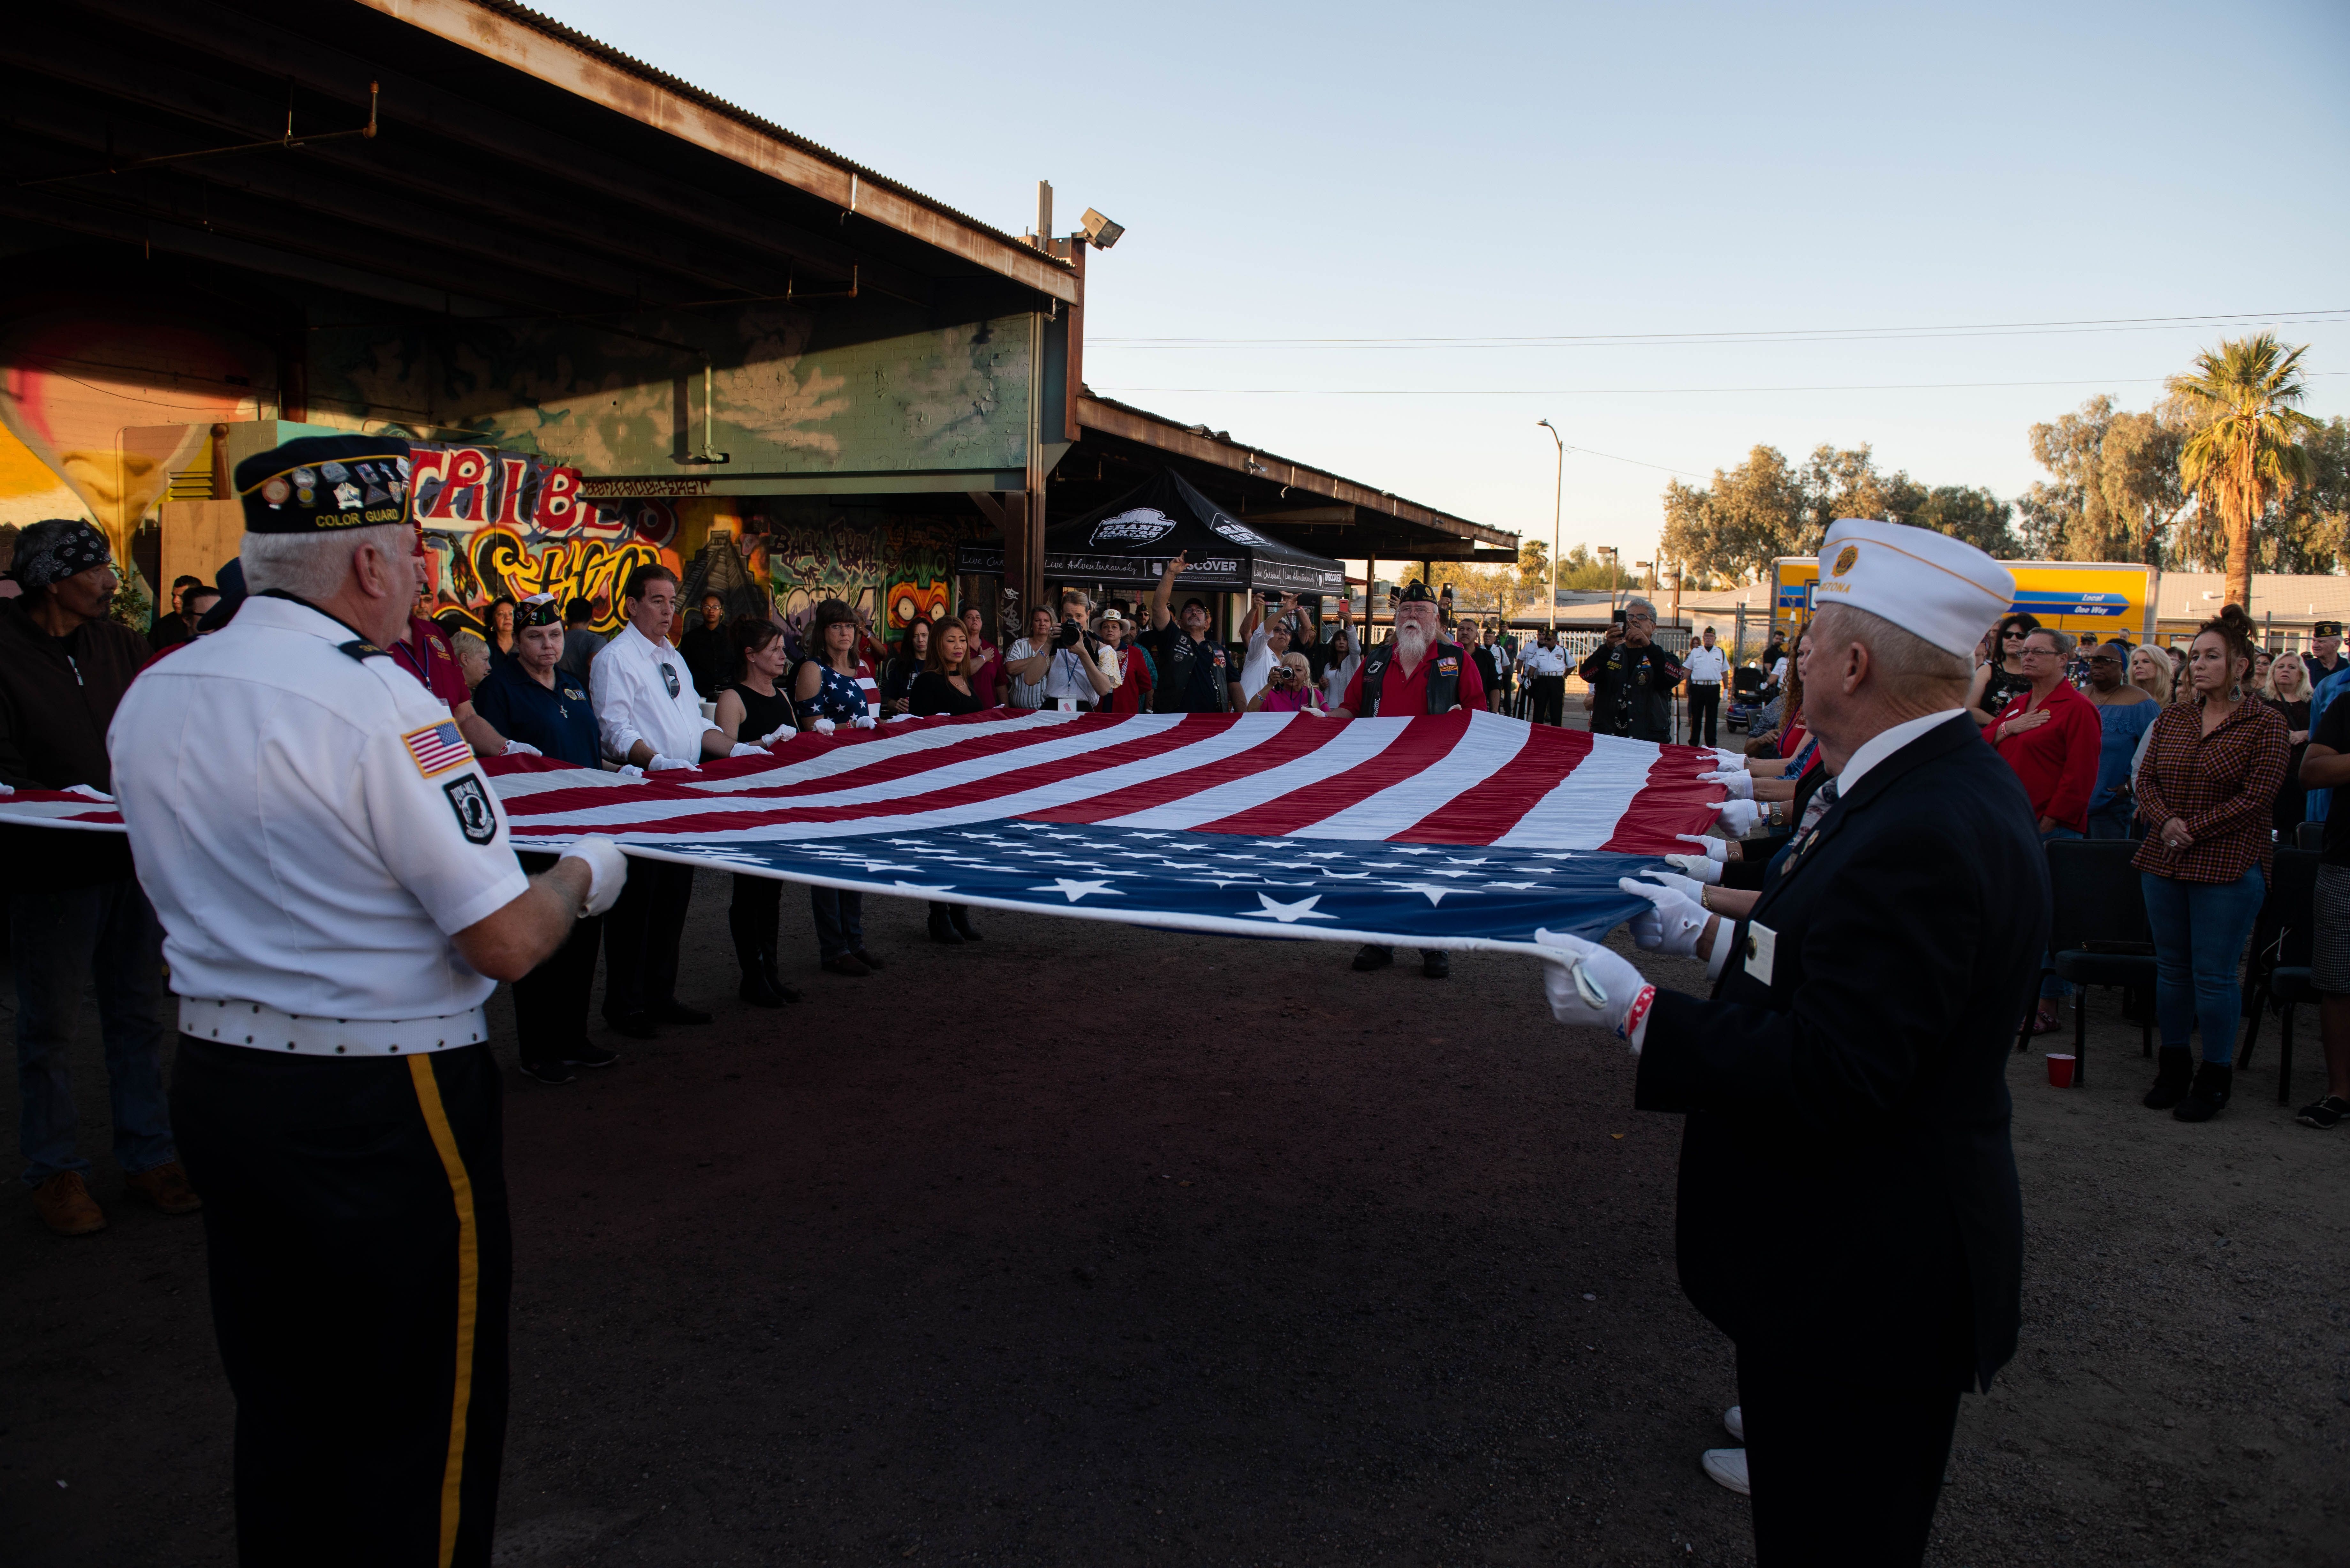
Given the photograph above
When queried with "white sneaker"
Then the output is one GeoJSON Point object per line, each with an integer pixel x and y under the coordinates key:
{"type": "Point", "coordinates": [1727, 1467]}
{"type": "Point", "coordinates": [1733, 1421]}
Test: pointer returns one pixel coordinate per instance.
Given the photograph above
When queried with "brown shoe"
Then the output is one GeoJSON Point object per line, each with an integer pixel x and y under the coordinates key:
{"type": "Point", "coordinates": [67, 1206]}
{"type": "Point", "coordinates": [166, 1186]}
{"type": "Point", "coordinates": [846, 963]}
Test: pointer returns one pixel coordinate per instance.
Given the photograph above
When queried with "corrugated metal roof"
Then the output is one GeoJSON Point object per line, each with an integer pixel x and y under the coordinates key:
{"type": "Point", "coordinates": [539, 22]}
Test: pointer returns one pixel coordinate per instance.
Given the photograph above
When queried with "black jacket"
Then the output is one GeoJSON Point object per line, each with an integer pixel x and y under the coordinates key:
{"type": "Point", "coordinates": [1848, 1197]}
{"type": "Point", "coordinates": [1634, 690]}
{"type": "Point", "coordinates": [58, 695]}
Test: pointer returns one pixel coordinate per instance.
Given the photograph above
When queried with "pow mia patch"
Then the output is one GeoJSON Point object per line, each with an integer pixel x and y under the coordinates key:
{"type": "Point", "coordinates": [669, 678]}
{"type": "Point", "coordinates": [471, 801]}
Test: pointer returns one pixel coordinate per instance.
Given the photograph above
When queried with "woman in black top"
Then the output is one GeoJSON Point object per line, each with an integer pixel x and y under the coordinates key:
{"type": "Point", "coordinates": [943, 689]}
{"type": "Point", "coordinates": [754, 709]}
{"type": "Point", "coordinates": [906, 666]}
{"type": "Point", "coordinates": [500, 633]}
{"type": "Point", "coordinates": [2001, 675]}
{"type": "Point", "coordinates": [2288, 692]}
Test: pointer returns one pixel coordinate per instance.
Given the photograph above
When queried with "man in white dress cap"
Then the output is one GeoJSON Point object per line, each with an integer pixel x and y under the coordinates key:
{"type": "Point", "coordinates": [1848, 1207]}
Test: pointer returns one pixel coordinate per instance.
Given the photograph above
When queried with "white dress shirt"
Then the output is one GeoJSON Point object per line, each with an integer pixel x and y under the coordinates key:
{"type": "Point", "coordinates": [310, 828]}
{"type": "Point", "coordinates": [1540, 661]}
{"type": "Point", "coordinates": [642, 691]}
{"type": "Point", "coordinates": [1707, 666]}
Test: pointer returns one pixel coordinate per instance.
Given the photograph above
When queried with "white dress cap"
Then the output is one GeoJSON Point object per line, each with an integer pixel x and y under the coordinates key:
{"type": "Point", "coordinates": [1940, 589]}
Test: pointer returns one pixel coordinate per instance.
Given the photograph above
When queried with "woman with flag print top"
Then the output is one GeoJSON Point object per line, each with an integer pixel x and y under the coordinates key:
{"type": "Point", "coordinates": [829, 692]}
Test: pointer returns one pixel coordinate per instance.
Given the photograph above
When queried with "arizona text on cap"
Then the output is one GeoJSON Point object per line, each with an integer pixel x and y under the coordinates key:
{"type": "Point", "coordinates": [1940, 589]}
{"type": "Point", "coordinates": [322, 482]}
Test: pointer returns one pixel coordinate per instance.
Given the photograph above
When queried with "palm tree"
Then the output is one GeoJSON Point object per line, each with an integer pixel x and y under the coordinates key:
{"type": "Point", "coordinates": [2247, 450]}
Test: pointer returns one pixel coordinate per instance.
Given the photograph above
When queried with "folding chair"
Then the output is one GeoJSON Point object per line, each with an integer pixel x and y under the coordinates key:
{"type": "Point", "coordinates": [2097, 933]}
{"type": "Point", "coordinates": [2281, 944]}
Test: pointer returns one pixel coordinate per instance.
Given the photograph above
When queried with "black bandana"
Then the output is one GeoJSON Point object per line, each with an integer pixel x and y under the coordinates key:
{"type": "Point", "coordinates": [56, 548]}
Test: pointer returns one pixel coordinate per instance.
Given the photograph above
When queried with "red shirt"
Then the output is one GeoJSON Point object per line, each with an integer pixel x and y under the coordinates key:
{"type": "Point", "coordinates": [1404, 696]}
{"type": "Point", "coordinates": [426, 653]}
{"type": "Point", "coordinates": [2057, 760]}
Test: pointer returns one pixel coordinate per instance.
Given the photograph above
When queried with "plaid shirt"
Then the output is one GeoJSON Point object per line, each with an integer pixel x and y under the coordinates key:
{"type": "Point", "coordinates": [2222, 785]}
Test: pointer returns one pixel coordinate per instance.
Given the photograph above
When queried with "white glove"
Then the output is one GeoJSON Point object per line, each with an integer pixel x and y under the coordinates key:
{"type": "Point", "coordinates": [1690, 887]}
{"type": "Point", "coordinates": [1672, 927]}
{"type": "Point", "coordinates": [521, 749]}
{"type": "Point", "coordinates": [823, 726]}
{"type": "Point", "coordinates": [89, 791]}
{"type": "Point", "coordinates": [1702, 869]}
{"type": "Point", "coordinates": [1712, 848]}
{"type": "Point", "coordinates": [746, 749]}
{"type": "Point", "coordinates": [1731, 759]}
{"type": "Point", "coordinates": [780, 732]}
{"type": "Point", "coordinates": [1595, 986]}
{"type": "Point", "coordinates": [865, 721]}
{"type": "Point", "coordinates": [608, 869]}
{"type": "Point", "coordinates": [1740, 785]}
{"type": "Point", "coordinates": [670, 764]}
{"type": "Point", "coordinates": [630, 771]}
{"type": "Point", "coordinates": [1740, 817]}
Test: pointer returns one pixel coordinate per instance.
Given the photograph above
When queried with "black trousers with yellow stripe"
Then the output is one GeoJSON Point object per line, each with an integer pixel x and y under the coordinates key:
{"type": "Point", "coordinates": [360, 1263]}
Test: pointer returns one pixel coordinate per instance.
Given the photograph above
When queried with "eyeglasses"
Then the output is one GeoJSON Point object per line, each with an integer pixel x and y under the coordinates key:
{"type": "Point", "coordinates": [2011, 636]}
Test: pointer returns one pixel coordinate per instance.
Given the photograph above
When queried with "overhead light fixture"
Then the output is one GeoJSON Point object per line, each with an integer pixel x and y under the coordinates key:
{"type": "Point", "coordinates": [1100, 232]}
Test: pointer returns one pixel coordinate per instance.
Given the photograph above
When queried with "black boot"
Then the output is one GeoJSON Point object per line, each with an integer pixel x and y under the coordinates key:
{"type": "Point", "coordinates": [2209, 1097]}
{"type": "Point", "coordinates": [961, 915]}
{"type": "Point", "coordinates": [942, 928]}
{"type": "Point", "coordinates": [2174, 1067]}
{"type": "Point", "coordinates": [755, 990]}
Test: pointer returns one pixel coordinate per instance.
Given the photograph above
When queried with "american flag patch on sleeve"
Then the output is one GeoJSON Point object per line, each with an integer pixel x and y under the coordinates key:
{"type": "Point", "coordinates": [437, 748]}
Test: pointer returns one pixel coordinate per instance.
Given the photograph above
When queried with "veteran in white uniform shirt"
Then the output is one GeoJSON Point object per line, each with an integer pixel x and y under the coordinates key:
{"type": "Point", "coordinates": [649, 716]}
{"type": "Point", "coordinates": [337, 899]}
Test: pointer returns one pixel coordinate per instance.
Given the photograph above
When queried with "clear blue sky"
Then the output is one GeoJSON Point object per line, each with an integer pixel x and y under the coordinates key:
{"type": "Point", "coordinates": [1329, 171]}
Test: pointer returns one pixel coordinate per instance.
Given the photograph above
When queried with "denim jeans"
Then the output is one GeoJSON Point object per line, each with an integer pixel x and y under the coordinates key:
{"type": "Point", "coordinates": [2052, 986]}
{"type": "Point", "coordinates": [62, 942]}
{"type": "Point", "coordinates": [839, 921]}
{"type": "Point", "coordinates": [2199, 931]}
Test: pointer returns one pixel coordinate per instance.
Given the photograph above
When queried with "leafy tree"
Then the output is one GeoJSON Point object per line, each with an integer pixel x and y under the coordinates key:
{"type": "Point", "coordinates": [1968, 513]}
{"type": "Point", "coordinates": [2247, 450]}
{"type": "Point", "coordinates": [1742, 521]}
{"type": "Point", "coordinates": [1533, 568]}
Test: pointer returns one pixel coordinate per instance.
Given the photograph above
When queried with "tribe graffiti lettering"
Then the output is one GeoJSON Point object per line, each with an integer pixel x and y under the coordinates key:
{"type": "Point", "coordinates": [504, 564]}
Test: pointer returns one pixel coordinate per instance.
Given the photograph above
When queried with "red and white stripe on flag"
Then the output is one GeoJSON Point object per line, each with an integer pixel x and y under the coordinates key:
{"type": "Point", "coordinates": [1455, 778]}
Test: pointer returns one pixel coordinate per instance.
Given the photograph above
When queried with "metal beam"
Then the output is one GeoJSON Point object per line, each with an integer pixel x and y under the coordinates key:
{"type": "Point", "coordinates": [194, 26]}
{"type": "Point", "coordinates": [498, 35]}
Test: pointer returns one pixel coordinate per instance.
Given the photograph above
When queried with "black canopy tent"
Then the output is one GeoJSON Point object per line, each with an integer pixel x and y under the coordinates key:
{"type": "Point", "coordinates": [1131, 540]}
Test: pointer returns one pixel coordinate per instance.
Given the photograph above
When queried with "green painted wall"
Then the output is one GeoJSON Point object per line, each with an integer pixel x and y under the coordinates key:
{"type": "Point", "coordinates": [798, 391]}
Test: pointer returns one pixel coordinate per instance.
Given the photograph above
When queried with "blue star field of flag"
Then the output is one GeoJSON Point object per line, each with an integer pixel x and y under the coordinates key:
{"type": "Point", "coordinates": [1443, 894]}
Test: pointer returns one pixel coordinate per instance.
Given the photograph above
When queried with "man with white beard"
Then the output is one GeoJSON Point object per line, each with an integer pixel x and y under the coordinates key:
{"type": "Point", "coordinates": [1415, 671]}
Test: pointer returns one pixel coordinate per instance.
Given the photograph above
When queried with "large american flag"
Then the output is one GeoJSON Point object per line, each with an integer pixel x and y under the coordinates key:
{"type": "Point", "coordinates": [1464, 830]}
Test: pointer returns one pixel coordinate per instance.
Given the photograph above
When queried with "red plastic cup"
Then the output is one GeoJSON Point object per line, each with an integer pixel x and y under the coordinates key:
{"type": "Point", "coordinates": [2060, 1069]}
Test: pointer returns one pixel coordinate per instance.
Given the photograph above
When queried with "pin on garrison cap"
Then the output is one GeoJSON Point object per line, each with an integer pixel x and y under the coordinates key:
{"type": "Point", "coordinates": [539, 610]}
{"type": "Point", "coordinates": [319, 483]}
{"type": "Point", "coordinates": [2326, 628]}
{"type": "Point", "coordinates": [1940, 589]}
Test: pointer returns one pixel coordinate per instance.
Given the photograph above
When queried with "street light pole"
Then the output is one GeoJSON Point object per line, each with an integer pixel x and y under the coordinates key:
{"type": "Point", "coordinates": [1557, 500]}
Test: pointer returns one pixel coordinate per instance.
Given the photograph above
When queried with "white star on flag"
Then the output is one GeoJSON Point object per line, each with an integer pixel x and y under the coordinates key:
{"type": "Point", "coordinates": [1435, 891]}
{"type": "Point", "coordinates": [1287, 913]}
{"type": "Point", "coordinates": [1074, 891]}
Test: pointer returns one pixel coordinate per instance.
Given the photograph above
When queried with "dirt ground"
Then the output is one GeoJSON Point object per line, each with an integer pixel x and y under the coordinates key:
{"type": "Point", "coordinates": [1093, 1245]}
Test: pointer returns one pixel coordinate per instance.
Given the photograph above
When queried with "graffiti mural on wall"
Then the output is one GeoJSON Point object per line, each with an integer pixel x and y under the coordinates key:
{"type": "Point", "coordinates": [891, 568]}
{"type": "Point", "coordinates": [508, 525]}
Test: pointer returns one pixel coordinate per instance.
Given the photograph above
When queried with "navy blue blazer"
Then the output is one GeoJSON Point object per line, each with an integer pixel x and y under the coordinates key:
{"type": "Point", "coordinates": [1848, 1195]}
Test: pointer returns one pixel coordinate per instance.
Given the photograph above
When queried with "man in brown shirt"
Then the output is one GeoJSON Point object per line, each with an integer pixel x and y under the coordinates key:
{"type": "Point", "coordinates": [74, 906]}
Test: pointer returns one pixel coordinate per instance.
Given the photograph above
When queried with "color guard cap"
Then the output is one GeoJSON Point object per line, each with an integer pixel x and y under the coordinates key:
{"type": "Point", "coordinates": [1416, 593]}
{"type": "Point", "coordinates": [539, 610]}
{"type": "Point", "coordinates": [1929, 584]}
{"type": "Point", "coordinates": [322, 482]}
{"type": "Point", "coordinates": [2326, 628]}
